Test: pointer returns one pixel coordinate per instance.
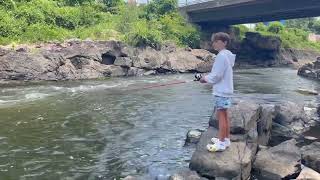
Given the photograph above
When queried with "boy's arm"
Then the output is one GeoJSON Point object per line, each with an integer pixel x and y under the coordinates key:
{"type": "Point", "coordinates": [217, 71]}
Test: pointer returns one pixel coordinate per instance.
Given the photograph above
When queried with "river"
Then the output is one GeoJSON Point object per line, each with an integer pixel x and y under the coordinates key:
{"type": "Point", "coordinates": [107, 129]}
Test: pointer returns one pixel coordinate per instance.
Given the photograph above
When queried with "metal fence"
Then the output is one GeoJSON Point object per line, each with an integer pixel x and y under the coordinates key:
{"type": "Point", "coordinates": [182, 3]}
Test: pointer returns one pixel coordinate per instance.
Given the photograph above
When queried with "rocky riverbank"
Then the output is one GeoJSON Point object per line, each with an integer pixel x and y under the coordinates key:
{"type": "Point", "coordinates": [256, 50]}
{"type": "Point", "coordinates": [75, 59]}
{"type": "Point", "coordinates": [311, 70]}
{"type": "Point", "coordinates": [267, 143]}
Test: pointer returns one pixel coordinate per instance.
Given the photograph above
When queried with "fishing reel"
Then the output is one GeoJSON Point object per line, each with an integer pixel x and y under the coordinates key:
{"type": "Point", "coordinates": [197, 77]}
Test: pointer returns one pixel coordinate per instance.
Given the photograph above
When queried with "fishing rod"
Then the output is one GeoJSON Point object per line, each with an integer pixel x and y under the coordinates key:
{"type": "Point", "coordinates": [197, 77]}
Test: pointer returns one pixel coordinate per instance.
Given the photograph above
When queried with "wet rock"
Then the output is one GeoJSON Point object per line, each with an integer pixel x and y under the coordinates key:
{"type": "Point", "coordinates": [133, 71]}
{"type": "Point", "coordinates": [308, 173]}
{"type": "Point", "coordinates": [311, 156]}
{"type": "Point", "coordinates": [307, 92]}
{"type": "Point", "coordinates": [193, 136]}
{"type": "Point", "coordinates": [278, 162]}
{"type": "Point", "coordinates": [233, 163]}
{"type": "Point", "coordinates": [186, 174]}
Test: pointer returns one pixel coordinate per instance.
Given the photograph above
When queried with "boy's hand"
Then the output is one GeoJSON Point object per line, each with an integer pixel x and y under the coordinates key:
{"type": "Point", "coordinates": [203, 80]}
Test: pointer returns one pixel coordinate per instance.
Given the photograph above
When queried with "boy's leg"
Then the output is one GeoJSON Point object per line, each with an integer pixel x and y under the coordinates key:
{"type": "Point", "coordinates": [222, 125]}
{"type": "Point", "coordinates": [227, 124]}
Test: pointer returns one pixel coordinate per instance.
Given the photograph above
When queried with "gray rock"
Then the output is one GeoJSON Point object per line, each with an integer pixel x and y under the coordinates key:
{"type": "Point", "coordinates": [243, 116]}
{"type": "Point", "coordinates": [278, 162]}
{"type": "Point", "coordinates": [123, 61]}
{"type": "Point", "coordinates": [186, 174]}
{"type": "Point", "coordinates": [233, 163]}
{"type": "Point", "coordinates": [193, 136]}
{"type": "Point", "coordinates": [311, 156]}
{"type": "Point", "coordinates": [264, 124]}
{"type": "Point", "coordinates": [308, 173]}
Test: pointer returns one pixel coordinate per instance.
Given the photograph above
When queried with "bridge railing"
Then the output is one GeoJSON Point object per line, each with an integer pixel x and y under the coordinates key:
{"type": "Point", "coordinates": [183, 3]}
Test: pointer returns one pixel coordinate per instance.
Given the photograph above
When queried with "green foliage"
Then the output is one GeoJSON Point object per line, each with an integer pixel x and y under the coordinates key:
{"type": "Point", "coordinates": [303, 23]}
{"type": "Point", "coordinates": [316, 27]}
{"type": "Point", "coordinates": [240, 30]}
{"type": "Point", "coordinates": [261, 27]}
{"type": "Point", "coordinates": [158, 8]}
{"type": "Point", "coordinates": [41, 32]}
{"type": "Point", "coordinates": [176, 28]}
{"type": "Point", "coordinates": [275, 27]}
{"type": "Point", "coordinates": [290, 37]}
{"type": "Point", "coordinates": [141, 35]}
{"type": "Point", "coordinates": [8, 4]}
{"type": "Point", "coordinates": [45, 20]}
{"type": "Point", "coordinates": [10, 26]}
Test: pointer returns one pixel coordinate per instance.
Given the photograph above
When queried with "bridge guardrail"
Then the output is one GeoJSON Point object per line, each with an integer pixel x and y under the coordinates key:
{"type": "Point", "coordinates": [185, 3]}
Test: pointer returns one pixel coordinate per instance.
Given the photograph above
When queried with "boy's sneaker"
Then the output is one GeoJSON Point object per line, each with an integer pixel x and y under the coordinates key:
{"type": "Point", "coordinates": [218, 147]}
{"type": "Point", "coordinates": [226, 141]}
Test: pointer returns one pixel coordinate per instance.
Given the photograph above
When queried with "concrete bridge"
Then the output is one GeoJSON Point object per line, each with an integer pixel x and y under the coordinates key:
{"type": "Point", "coordinates": [228, 12]}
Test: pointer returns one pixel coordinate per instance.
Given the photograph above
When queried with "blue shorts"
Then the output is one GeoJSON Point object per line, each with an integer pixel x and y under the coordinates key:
{"type": "Point", "coordinates": [222, 102]}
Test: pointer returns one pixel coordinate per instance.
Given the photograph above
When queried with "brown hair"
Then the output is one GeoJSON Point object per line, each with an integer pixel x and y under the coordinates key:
{"type": "Point", "coordinates": [224, 37]}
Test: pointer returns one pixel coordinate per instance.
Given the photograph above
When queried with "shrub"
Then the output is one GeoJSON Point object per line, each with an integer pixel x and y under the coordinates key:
{"type": "Point", "coordinates": [275, 27]}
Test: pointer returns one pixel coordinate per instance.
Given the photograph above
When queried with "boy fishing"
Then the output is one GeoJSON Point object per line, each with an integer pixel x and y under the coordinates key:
{"type": "Point", "coordinates": [221, 77]}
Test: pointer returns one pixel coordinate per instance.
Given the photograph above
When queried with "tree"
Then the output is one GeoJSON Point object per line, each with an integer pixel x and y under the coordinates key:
{"type": "Point", "coordinates": [275, 27]}
{"type": "Point", "coordinates": [160, 7]}
{"type": "Point", "coordinates": [302, 23]}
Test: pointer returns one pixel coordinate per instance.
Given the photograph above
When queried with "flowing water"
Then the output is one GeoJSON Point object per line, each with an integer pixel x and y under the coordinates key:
{"type": "Point", "coordinates": [112, 128]}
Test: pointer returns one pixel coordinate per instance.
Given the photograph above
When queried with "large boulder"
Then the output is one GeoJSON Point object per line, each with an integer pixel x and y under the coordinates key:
{"type": "Point", "coordinates": [243, 116]}
{"type": "Point", "coordinates": [278, 162]}
{"type": "Point", "coordinates": [233, 163]}
{"type": "Point", "coordinates": [311, 156]}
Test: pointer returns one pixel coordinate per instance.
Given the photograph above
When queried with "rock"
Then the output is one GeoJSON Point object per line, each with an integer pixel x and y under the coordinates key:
{"type": "Point", "coordinates": [263, 42]}
{"type": "Point", "coordinates": [158, 173]}
{"type": "Point", "coordinates": [123, 61]}
{"type": "Point", "coordinates": [186, 174]}
{"type": "Point", "coordinates": [308, 173]}
{"type": "Point", "coordinates": [133, 71]}
{"type": "Point", "coordinates": [193, 136]}
{"type": "Point", "coordinates": [307, 92]}
{"type": "Point", "coordinates": [291, 115]}
{"type": "Point", "coordinates": [278, 162]}
{"type": "Point", "coordinates": [202, 54]}
{"type": "Point", "coordinates": [281, 133]}
{"type": "Point", "coordinates": [311, 156]}
{"type": "Point", "coordinates": [149, 58]}
{"type": "Point", "coordinates": [151, 72]}
{"type": "Point", "coordinates": [243, 117]}
{"type": "Point", "coordinates": [76, 59]}
{"type": "Point", "coordinates": [264, 124]}
{"type": "Point", "coordinates": [310, 70]}
{"type": "Point", "coordinates": [22, 49]}
{"type": "Point", "coordinates": [233, 163]}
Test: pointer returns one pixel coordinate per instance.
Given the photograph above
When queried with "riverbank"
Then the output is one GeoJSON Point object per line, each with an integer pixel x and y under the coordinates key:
{"type": "Point", "coordinates": [76, 59]}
